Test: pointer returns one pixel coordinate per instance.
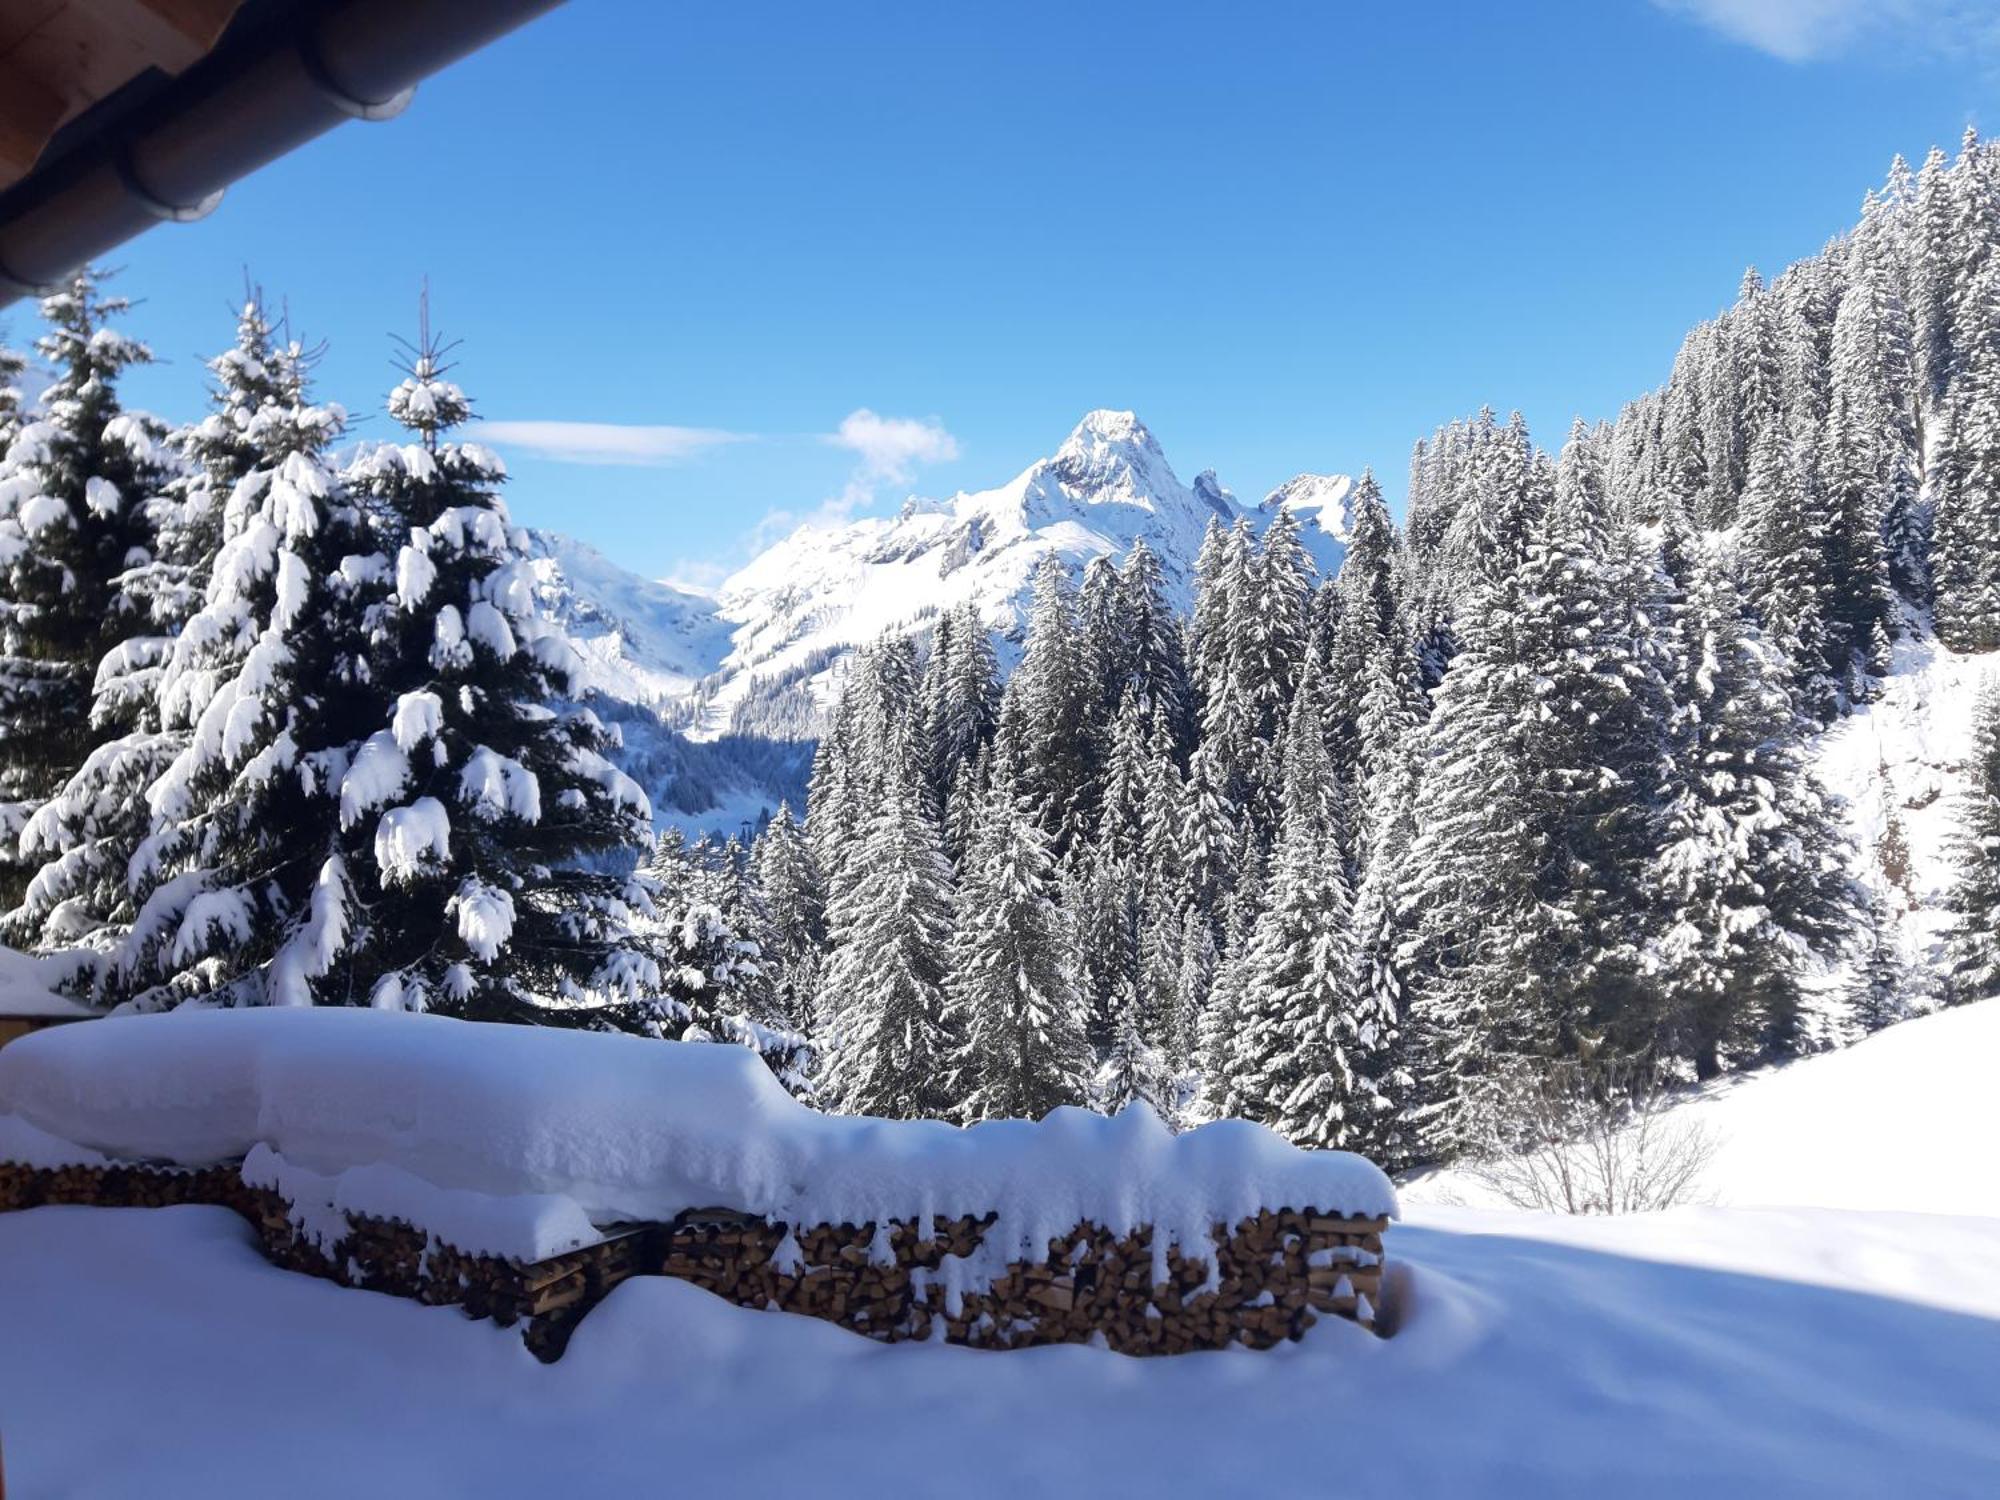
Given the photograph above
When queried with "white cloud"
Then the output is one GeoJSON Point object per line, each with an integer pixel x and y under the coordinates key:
{"type": "Point", "coordinates": [635, 447]}
{"type": "Point", "coordinates": [1795, 30]}
{"type": "Point", "coordinates": [891, 449]}
{"type": "Point", "coordinates": [1802, 31]}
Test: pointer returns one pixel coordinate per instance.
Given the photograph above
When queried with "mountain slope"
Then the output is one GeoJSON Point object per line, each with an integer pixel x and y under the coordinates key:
{"type": "Point", "coordinates": [823, 591]}
{"type": "Point", "coordinates": [762, 656]}
{"type": "Point", "coordinates": [644, 642]}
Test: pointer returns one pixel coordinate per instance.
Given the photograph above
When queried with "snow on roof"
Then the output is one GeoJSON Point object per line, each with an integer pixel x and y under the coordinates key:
{"type": "Point", "coordinates": [623, 1128]}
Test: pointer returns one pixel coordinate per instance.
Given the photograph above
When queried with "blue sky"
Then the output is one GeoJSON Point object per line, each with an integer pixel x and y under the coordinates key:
{"type": "Point", "coordinates": [801, 260]}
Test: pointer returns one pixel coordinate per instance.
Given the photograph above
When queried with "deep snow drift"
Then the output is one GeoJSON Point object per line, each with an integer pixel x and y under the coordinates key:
{"type": "Point", "coordinates": [1713, 1351]}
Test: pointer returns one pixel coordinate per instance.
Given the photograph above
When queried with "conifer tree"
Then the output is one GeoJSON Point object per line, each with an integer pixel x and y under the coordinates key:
{"type": "Point", "coordinates": [1013, 978]}
{"type": "Point", "coordinates": [1972, 947]}
{"type": "Point", "coordinates": [1296, 1060]}
{"type": "Point", "coordinates": [1965, 478]}
{"type": "Point", "coordinates": [1879, 988]}
{"type": "Point", "coordinates": [1749, 874]}
{"type": "Point", "coordinates": [888, 1034]}
{"type": "Point", "coordinates": [472, 817]}
{"type": "Point", "coordinates": [963, 696]}
{"type": "Point", "coordinates": [12, 364]}
{"type": "Point", "coordinates": [75, 521]}
{"type": "Point", "coordinates": [1790, 538]}
{"type": "Point", "coordinates": [1158, 668]}
{"type": "Point", "coordinates": [260, 443]}
{"type": "Point", "coordinates": [796, 902]}
{"type": "Point", "coordinates": [1046, 703]}
{"type": "Point", "coordinates": [1134, 1071]}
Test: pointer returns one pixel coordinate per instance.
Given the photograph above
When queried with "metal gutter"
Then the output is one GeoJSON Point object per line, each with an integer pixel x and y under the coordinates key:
{"type": "Point", "coordinates": [275, 81]}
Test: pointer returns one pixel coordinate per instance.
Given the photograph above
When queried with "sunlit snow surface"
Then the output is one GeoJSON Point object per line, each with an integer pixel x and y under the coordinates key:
{"type": "Point", "coordinates": [1707, 1351]}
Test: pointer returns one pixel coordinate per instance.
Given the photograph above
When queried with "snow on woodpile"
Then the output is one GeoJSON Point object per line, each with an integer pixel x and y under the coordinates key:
{"type": "Point", "coordinates": [28, 988]}
{"type": "Point", "coordinates": [426, 1118]}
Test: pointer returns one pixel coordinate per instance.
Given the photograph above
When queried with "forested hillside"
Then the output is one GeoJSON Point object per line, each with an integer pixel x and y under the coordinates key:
{"type": "Point", "coordinates": [1531, 783]}
{"type": "Point", "coordinates": [1527, 784]}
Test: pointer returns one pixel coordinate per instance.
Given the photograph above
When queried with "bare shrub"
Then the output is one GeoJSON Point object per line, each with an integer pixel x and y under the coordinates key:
{"type": "Point", "coordinates": [1593, 1137]}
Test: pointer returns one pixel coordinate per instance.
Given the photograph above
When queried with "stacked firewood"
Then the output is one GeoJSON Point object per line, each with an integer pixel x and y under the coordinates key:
{"type": "Point", "coordinates": [402, 1259]}
{"type": "Point", "coordinates": [119, 1186]}
{"type": "Point", "coordinates": [1264, 1281]}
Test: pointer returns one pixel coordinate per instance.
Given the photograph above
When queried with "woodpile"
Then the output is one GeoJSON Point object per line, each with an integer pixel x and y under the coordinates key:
{"type": "Point", "coordinates": [1263, 1281]}
{"type": "Point", "coordinates": [120, 1186]}
{"type": "Point", "coordinates": [1259, 1282]}
{"type": "Point", "coordinates": [388, 1255]}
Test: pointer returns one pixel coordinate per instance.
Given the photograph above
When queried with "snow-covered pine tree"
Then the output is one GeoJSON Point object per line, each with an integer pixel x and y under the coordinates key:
{"type": "Point", "coordinates": [1296, 1061]}
{"type": "Point", "coordinates": [239, 890]}
{"type": "Point", "coordinates": [888, 1035]}
{"type": "Point", "coordinates": [1267, 653]}
{"type": "Point", "coordinates": [1218, 570]}
{"type": "Point", "coordinates": [796, 902]}
{"type": "Point", "coordinates": [483, 827]}
{"type": "Point", "coordinates": [1134, 1070]}
{"type": "Point", "coordinates": [1013, 978]}
{"type": "Point", "coordinates": [1159, 664]}
{"type": "Point", "coordinates": [1107, 647]}
{"type": "Point", "coordinates": [1046, 702]}
{"type": "Point", "coordinates": [1789, 537]}
{"type": "Point", "coordinates": [1881, 987]}
{"type": "Point", "coordinates": [1965, 480]}
{"type": "Point", "coordinates": [1209, 836]}
{"type": "Point", "coordinates": [12, 363]}
{"type": "Point", "coordinates": [1749, 875]}
{"type": "Point", "coordinates": [1972, 946]}
{"type": "Point", "coordinates": [1109, 879]}
{"type": "Point", "coordinates": [1369, 616]}
{"type": "Point", "coordinates": [708, 938]}
{"type": "Point", "coordinates": [1865, 469]}
{"type": "Point", "coordinates": [75, 521]}
{"type": "Point", "coordinates": [833, 792]}
{"type": "Point", "coordinates": [1475, 953]}
{"type": "Point", "coordinates": [962, 696]}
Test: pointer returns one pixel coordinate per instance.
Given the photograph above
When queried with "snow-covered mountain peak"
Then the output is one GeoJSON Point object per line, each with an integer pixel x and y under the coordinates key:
{"type": "Point", "coordinates": [1322, 498]}
{"type": "Point", "coordinates": [1111, 450]}
{"type": "Point", "coordinates": [1322, 504]}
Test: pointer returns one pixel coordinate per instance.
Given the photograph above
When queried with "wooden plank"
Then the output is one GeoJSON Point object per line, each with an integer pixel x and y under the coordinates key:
{"type": "Point", "coordinates": [168, 34]}
{"type": "Point", "coordinates": [30, 111]}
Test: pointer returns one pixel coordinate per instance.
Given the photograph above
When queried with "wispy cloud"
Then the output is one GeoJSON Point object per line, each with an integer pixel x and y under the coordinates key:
{"type": "Point", "coordinates": [634, 447]}
{"type": "Point", "coordinates": [1801, 31]}
{"type": "Point", "coordinates": [887, 450]}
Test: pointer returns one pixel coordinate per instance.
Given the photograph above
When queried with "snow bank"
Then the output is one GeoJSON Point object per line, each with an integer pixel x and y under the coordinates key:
{"type": "Point", "coordinates": [624, 1129]}
{"type": "Point", "coordinates": [1882, 1125]}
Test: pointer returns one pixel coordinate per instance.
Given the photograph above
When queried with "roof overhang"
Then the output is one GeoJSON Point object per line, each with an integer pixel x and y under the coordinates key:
{"type": "Point", "coordinates": [118, 114]}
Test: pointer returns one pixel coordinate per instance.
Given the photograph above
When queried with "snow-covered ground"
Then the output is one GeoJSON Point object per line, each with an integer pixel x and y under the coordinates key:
{"type": "Point", "coordinates": [1904, 1120]}
{"type": "Point", "coordinates": [1768, 1351]}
